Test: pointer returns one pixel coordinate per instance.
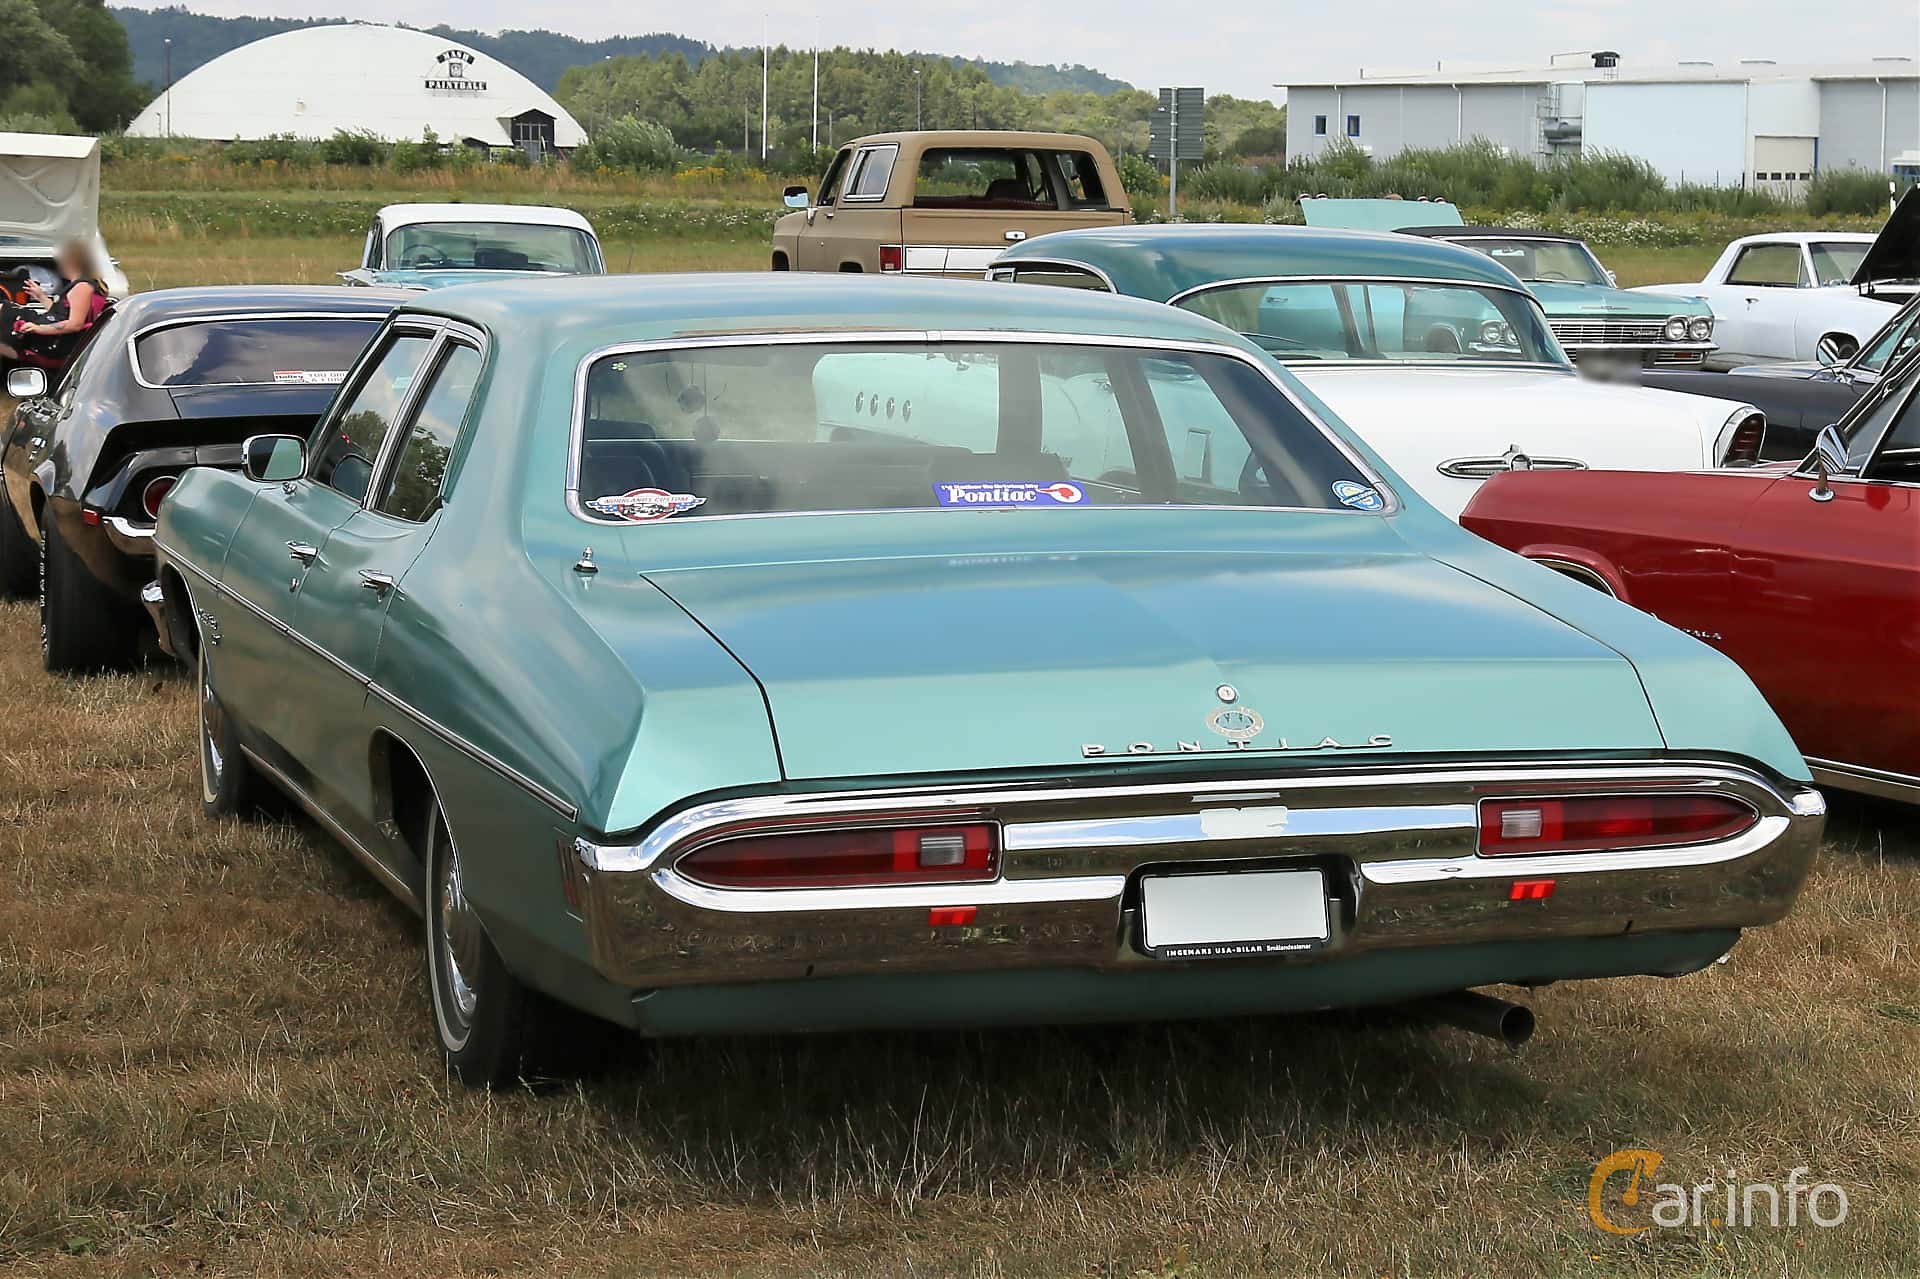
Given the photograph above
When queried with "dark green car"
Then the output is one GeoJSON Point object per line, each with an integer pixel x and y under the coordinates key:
{"type": "Point", "coordinates": [735, 654]}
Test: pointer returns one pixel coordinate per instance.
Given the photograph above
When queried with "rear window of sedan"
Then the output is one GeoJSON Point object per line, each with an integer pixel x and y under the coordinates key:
{"type": "Point", "coordinates": [860, 426]}
{"type": "Point", "coordinates": [268, 351]}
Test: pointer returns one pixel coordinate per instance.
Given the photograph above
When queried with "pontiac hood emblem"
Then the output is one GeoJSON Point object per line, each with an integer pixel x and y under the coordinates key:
{"type": "Point", "coordinates": [1236, 723]}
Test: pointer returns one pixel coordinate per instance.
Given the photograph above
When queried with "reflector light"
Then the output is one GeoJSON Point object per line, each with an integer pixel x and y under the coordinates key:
{"type": "Point", "coordinates": [847, 858]}
{"type": "Point", "coordinates": [1530, 890]}
{"type": "Point", "coordinates": [892, 257]}
{"type": "Point", "coordinates": [1605, 823]}
{"type": "Point", "coordinates": [951, 916]}
{"type": "Point", "coordinates": [89, 517]}
{"type": "Point", "coordinates": [156, 489]}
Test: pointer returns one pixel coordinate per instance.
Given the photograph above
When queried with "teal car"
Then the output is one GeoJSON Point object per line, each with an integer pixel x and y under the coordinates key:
{"type": "Point", "coordinates": [437, 246]}
{"type": "Point", "coordinates": [722, 654]}
{"type": "Point", "coordinates": [1594, 319]}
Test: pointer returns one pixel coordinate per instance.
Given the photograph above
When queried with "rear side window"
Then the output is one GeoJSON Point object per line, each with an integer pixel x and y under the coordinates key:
{"type": "Point", "coordinates": [1081, 179]}
{"type": "Point", "coordinates": [249, 352]}
{"type": "Point", "coordinates": [1769, 265]}
{"type": "Point", "coordinates": [346, 457]}
{"type": "Point", "coordinates": [414, 490]}
{"type": "Point", "coordinates": [828, 427]}
{"type": "Point", "coordinates": [955, 177]}
{"type": "Point", "coordinates": [1059, 275]}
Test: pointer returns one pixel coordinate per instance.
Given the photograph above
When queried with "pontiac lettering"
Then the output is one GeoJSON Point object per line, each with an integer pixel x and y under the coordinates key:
{"type": "Point", "coordinates": [1376, 742]}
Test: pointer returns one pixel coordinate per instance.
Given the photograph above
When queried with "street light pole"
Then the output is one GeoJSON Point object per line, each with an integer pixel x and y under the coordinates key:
{"type": "Point", "coordinates": [916, 99]}
{"type": "Point", "coordinates": [816, 82]}
{"type": "Point", "coordinates": [168, 41]}
{"type": "Point", "coordinates": [764, 65]}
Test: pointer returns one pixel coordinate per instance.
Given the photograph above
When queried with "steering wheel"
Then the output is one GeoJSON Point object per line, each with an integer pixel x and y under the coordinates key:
{"type": "Point", "coordinates": [425, 256]}
{"type": "Point", "coordinates": [1553, 275]}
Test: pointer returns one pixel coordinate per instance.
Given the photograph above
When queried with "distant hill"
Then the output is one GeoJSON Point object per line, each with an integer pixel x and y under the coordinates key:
{"type": "Point", "coordinates": [541, 56]}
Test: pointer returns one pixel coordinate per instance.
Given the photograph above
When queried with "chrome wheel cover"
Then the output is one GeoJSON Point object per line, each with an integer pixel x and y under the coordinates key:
{"type": "Point", "coordinates": [458, 946]}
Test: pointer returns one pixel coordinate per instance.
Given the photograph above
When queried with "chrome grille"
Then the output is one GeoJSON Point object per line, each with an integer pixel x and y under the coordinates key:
{"type": "Point", "coordinates": [1609, 330]}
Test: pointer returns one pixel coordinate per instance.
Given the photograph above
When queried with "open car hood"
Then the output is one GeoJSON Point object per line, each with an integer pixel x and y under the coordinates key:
{"type": "Point", "coordinates": [939, 665]}
{"type": "Point", "coordinates": [1895, 253]}
{"type": "Point", "coordinates": [49, 187]}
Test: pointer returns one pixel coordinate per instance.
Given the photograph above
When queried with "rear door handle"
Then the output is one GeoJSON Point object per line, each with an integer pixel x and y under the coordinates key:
{"type": "Point", "coordinates": [305, 552]}
{"type": "Point", "coordinates": [377, 582]}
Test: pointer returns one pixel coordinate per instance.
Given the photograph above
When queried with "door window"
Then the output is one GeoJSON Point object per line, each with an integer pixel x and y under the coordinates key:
{"type": "Point", "coordinates": [1899, 456]}
{"type": "Point", "coordinates": [413, 493]}
{"type": "Point", "coordinates": [830, 184]}
{"type": "Point", "coordinates": [351, 446]}
{"type": "Point", "coordinates": [871, 169]}
{"type": "Point", "coordinates": [1774, 266]}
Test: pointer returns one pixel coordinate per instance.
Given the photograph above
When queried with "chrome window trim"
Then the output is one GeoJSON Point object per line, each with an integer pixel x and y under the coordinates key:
{"type": "Point", "coordinates": [856, 168]}
{"type": "Point", "coordinates": [479, 755]}
{"type": "Point", "coordinates": [376, 317]}
{"type": "Point", "coordinates": [1532, 301]}
{"type": "Point", "coordinates": [1578, 572]}
{"type": "Point", "coordinates": [1058, 264]}
{"type": "Point", "coordinates": [576, 435]}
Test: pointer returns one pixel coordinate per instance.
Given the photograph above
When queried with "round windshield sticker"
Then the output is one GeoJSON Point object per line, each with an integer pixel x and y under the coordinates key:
{"type": "Point", "coordinates": [644, 506]}
{"type": "Point", "coordinates": [1361, 497]}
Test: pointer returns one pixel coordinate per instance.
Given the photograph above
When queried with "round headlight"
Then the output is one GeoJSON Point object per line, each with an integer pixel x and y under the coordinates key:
{"type": "Point", "coordinates": [1700, 328]}
{"type": "Point", "coordinates": [1677, 329]}
{"type": "Point", "coordinates": [1490, 332]}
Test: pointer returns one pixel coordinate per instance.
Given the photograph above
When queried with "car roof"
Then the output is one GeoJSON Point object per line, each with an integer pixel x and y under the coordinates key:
{"type": "Point", "coordinates": [982, 139]}
{"type": "Point", "coordinates": [399, 215]}
{"type": "Point", "coordinates": [1163, 261]}
{"type": "Point", "coordinates": [561, 312]}
{"type": "Point", "coordinates": [1808, 237]}
{"type": "Point", "coordinates": [260, 299]}
{"type": "Point", "coordinates": [1488, 233]}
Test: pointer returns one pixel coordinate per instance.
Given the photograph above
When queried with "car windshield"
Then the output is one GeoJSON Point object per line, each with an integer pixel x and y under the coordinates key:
{"type": "Point", "coordinates": [1835, 261]}
{"type": "Point", "coordinates": [1899, 336]}
{"type": "Point", "coordinates": [852, 426]}
{"type": "Point", "coordinates": [1557, 261]}
{"type": "Point", "coordinates": [300, 351]}
{"type": "Point", "coordinates": [1401, 321]}
{"type": "Point", "coordinates": [490, 246]}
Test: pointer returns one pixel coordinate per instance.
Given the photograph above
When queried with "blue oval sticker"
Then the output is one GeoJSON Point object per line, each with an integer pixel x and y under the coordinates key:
{"type": "Point", "coordinates": [1361, 497]}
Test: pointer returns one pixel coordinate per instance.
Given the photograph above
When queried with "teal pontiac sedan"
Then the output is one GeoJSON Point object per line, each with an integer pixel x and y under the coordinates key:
{"type": "Point", "coordinates": [718, 654]}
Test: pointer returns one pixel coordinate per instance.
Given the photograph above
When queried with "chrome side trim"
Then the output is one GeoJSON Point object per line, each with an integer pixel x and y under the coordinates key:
{"type": "Point", "coordinates": [1439, 869]}
{"type": "Point", "coordinates": [1267, 368]}
{"type": "Point", "coordinates": [1223, 824]}
{"type": "Point", "coordinates": [1578, 572]}
{"type": "Point", "coordinates": [1869, 781]}
{"type": "Point", "coordinates": [560, 806]}
{"type": "Point", "coordinates": [1087, 888]}
{"type": "Point", "coordinates": [381, 871]}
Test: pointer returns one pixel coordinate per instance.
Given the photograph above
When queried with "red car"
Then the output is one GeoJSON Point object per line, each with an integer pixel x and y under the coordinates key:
{"type": "Point", "coordinates": [1807, 574]}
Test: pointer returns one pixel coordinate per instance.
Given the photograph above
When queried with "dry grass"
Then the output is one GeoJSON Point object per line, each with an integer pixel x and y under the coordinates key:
{"type": "Point", "coordinates": [214, 1059]}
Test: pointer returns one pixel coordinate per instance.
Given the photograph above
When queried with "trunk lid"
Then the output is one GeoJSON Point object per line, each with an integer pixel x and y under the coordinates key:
{"type": "Point", "coordinates": [49, 187]}
{"type": "Point", "coordinates": [935, 665]}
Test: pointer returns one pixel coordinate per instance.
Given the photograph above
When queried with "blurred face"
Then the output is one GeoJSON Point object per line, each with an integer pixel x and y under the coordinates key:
{"type": "Point", "coordinates": [72, 263]}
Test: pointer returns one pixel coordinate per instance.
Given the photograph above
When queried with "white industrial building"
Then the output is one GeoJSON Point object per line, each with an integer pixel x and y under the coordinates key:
{"type": "Point", "coordinates": [1752, 123]}
{"type": "Point", "coordinates": [392, 82]}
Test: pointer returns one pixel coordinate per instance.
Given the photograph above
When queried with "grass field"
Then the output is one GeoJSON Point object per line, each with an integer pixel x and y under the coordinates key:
{"type": "Point", "coordinates": [215, 1060]}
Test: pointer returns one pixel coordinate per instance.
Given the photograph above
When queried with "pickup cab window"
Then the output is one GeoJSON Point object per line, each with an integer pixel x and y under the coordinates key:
{"type": "Point", "coordinates": [872, 168]}
{"type": "Point", "coordinates": [981, 177]}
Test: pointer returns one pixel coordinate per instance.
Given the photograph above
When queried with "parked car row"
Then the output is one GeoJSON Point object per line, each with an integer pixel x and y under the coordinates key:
{"type": "Point", "coordinates": [711, 654]}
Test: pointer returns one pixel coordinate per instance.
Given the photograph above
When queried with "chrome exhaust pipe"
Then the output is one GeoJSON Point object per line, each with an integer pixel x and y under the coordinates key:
{"type": "Point", "coordinates": [1510, 1023]}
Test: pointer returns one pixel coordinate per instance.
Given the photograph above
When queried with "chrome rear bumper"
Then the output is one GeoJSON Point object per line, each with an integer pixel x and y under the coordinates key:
{"type": "Point", "coordinates": [1398, 846]}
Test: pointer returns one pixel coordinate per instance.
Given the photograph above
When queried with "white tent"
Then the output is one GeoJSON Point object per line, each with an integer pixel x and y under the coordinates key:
{"type": "Point", "coordinates": [389, 81]}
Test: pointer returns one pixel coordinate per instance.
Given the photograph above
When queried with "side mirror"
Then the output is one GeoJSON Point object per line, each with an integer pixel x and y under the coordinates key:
{"type": "Point", "coordinates": [795, 197]}
{"type": "Point", "coordinates": [1829, 459]}
{"type": "Point", "coordinates": [269, 458]}
{"type": "Point", "coordinates": [26, 383]}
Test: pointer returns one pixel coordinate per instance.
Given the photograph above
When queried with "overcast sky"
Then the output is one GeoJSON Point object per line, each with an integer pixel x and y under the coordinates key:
{"type": "Point", "coordinates": [1234, 46]}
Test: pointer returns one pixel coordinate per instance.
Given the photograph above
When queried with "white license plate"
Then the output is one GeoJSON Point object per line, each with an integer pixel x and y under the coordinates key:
{"type": "Point", "coordinates": [1227, 915]}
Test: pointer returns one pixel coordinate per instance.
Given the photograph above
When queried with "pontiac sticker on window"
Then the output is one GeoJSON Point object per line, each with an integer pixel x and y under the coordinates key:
{"type": "Point", "coordinates": [1009, 493]}
{"type": "Point", "coordinates": [644, 506]}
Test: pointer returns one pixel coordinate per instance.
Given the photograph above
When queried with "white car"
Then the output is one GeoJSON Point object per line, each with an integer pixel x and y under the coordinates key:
{"type": "Point", "coordinates": [1804, 295]}
{"type": "Point", "coordinates": [432, 246]}
{"type": "Point", "coordinates": [1437, 356]}
{"type": "Point", "coordinates": [50, 194]}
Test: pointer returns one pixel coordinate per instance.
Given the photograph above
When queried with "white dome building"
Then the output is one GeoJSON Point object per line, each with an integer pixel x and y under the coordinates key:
{"type": "Point", "coordinates": [389, 81]}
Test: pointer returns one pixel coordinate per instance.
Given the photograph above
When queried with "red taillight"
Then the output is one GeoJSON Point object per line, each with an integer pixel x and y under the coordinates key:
{"type": "Point", "coordinates": [1530, 890]}
{"type": "Point", "coordinates": [845, 858]}
{"type": "Point", "coordinates": [892, 257]}
{"type": "Point", "coordinates": [1601, 823]}
{"type": "Point", "coordinates": [156, 489]}
{"type": "Point", "coordinates": [1744, 450]}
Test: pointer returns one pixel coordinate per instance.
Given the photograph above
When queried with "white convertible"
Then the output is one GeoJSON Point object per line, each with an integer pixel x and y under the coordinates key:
{"type": "Point", "coordinates": [1438, 356]}
{"type": "Point", "coordinates": [1806, 295]}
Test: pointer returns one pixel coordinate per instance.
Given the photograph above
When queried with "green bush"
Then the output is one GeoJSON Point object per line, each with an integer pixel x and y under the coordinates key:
{"type": "Point", "coordinates": [637, 146]}
{"type": "Point", "coordinates": [418, 157]}
{"type": "Point", "coordinates": [1226, 180]}
{"type": "Point", "coordinates": [1138, 176]}
{"type": "Point", "coordinates": [354, 147]}
{"type": "Point", "coordinates": [1847, 191]}
{"type": "Point", "coordinates": [282, 149]}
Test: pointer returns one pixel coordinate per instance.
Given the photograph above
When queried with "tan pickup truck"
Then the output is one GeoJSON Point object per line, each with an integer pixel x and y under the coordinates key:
{"type": "Point", "coordinates": [945, 203]}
